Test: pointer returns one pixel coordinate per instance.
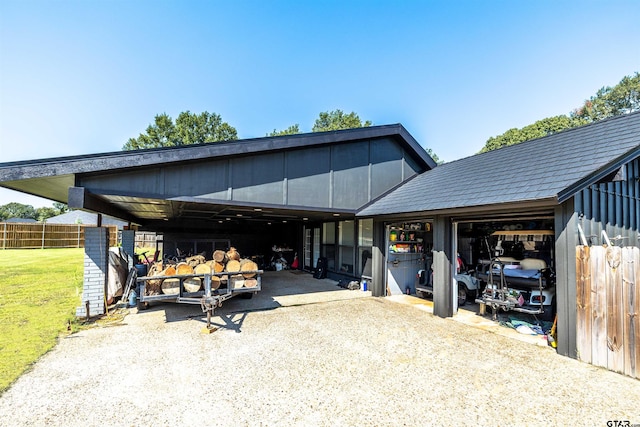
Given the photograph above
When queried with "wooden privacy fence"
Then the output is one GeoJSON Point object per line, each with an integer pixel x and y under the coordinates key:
{"type": "Point", "coordinates": [608, 307]}
{"type": "Point", "coordinates": [43, 235]}
{"type": "Point", "coordinates": [145, 239]}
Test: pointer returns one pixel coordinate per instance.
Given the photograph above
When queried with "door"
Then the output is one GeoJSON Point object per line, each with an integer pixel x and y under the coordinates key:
{"type": "Point", "coordinates": [311, 247]}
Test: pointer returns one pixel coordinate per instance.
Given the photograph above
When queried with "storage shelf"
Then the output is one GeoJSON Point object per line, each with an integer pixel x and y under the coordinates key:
{"type": "Point", "coordinates": [523, 233]}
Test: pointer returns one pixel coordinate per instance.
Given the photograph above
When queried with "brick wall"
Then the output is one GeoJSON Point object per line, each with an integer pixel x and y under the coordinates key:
{"type": "Point", "coordinates": [96, 262]}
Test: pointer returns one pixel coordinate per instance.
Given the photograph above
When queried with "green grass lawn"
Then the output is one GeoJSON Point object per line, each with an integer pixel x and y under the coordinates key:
{"type": "Point", "coordinates": [39, 292]}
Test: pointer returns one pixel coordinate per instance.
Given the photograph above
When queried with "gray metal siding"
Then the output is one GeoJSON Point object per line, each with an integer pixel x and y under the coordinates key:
{"type": "Point", "coordinates": [350, 164]}
{"type": "Point", "coordinates": [386, 166]}
{"type": "Point", "coordinates": [613, 207]}
{"type": "Point", "coordinates": [308, 177]}
{"type": "Point", "coordinates": [258, 178]}
{"type": "Point", "coordinates": [196, 179]}
{"type": "Point", "coordinates": [342, 176]}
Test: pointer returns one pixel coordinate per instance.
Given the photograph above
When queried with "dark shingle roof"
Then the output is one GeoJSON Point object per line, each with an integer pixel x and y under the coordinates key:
{"type": "Point", "coordinates": [553, 167]}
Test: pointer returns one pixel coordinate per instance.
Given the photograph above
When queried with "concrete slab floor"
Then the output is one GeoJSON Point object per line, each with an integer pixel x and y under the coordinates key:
{"type": "Point", "coordinates": [469, 316]}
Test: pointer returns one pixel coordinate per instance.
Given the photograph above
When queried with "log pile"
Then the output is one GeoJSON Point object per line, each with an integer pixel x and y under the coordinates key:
{"type": "Point", "coordinates": [241, 273]}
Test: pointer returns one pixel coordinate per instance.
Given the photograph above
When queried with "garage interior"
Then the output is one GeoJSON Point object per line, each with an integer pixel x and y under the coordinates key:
{"type": "Point", "coordinates": [489, 252]}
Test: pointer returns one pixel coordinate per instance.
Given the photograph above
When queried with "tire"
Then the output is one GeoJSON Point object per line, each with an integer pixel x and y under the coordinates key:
{"type": "Point", "coordinates": [471, 295]}
{"type": "Point", "coordinates": [550, 313]}
{"type": "Point", "coordinates": [462, 295]}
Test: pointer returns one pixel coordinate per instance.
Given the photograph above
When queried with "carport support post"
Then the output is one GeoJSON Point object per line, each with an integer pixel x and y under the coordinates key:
{"type": "Point", "coordinates": [566, 225]}
{"type": "Point", "coordinates": [442, 267]}
{"type": "Point", "coordinates": [96, 265]}
{"type": "Point", "coordinates": [129, 243]}
{"type": "Point", "coordinates": [378, 262]}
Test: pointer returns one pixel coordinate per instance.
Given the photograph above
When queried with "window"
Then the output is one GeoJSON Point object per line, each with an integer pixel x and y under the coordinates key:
{"type": "Point", "coordinates": [365, 244]}
{"type": "Point", "coordinates": [346, 246]}
{"type": "Point", "coordinates": [329, 244]}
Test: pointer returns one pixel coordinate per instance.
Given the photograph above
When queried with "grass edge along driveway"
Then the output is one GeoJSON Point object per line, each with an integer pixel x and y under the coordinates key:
{"type": "Point", "coordinates": [39, 292]}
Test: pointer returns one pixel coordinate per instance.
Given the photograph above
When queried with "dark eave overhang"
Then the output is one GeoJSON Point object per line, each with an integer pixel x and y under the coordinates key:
{"type": "Point", "coordinates": [530, 207]}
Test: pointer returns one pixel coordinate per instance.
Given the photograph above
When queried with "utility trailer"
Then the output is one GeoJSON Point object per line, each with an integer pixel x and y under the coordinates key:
{"type": "Point", "coordinates": [208, 297]}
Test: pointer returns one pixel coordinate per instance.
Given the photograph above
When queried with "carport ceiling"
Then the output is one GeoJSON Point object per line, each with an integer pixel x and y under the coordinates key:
{"type": "Point", "coordinates": [191, 212]}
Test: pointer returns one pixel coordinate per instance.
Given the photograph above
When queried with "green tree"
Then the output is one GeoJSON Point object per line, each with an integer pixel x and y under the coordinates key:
{"type": "Point", "coordinates": [538, 129]}
{"type": "Point", "coordinates": [203, 128]}
{"type": "Point", "coordinates": [17, 210]}
{"type": "Point", "coordinates": [336, 120]}
{"type": "Point", "coordinates": [188, 129]}
{"type": "Point", "coordinates": [291, 130]}
{"type": "Point", "coordinates": [434, 156]}
{"type": "Point", "coordinates": [60, 208]}
{"type": "Point", "coordinates": [45, 213]}
{"type": "Point", "coordinates": [623, 98]}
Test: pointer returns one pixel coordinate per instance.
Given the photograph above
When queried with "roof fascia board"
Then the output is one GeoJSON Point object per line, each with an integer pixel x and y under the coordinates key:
{"type": "Point", "coordinates": [512, 207]}
{"type": "Point", "coordinates": [417, 148]}
{"type": "Point", "coordinates": [155, 156]}
{"type": "Point", "coordinates": [598, 175]}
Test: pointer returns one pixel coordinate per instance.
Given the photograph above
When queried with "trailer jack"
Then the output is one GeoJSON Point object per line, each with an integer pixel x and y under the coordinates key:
{"type": "Point", "coordinates": [208, 305]}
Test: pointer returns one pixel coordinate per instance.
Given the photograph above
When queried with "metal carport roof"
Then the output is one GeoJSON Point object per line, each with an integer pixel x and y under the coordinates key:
{"type": "Point", "coordinates": [80, 180]}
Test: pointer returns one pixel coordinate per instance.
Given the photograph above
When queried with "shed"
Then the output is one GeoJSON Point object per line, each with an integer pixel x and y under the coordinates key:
{"type": "Point", "coordinates": [21, 220]}
{"type": "Point", "coordinates": [86, 218]}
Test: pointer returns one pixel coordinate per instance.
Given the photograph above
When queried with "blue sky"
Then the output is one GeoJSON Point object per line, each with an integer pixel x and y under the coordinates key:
{"type": "Point", "coordinates": [79, 77]}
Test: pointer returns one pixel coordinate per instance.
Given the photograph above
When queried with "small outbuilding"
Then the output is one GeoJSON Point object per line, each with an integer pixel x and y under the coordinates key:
{"type": "Point", "coordinates": [85, 218]}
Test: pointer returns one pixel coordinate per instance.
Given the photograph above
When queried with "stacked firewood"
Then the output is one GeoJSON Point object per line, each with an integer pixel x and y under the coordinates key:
{"type": "Point", "coordinates": [225, 268]}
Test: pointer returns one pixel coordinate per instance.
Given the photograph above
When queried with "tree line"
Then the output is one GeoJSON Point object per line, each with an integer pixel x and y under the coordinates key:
{"type": "Point", "coordinates": [19, 210]}
{"type": "Point", "coordinates": [623, 98]}
{"type": "Point", "coordinates": [190, 128]}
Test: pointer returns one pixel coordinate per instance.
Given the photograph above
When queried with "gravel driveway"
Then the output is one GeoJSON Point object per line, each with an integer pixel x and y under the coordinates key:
{"type": "Point", "coordinates": [337, 361]}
